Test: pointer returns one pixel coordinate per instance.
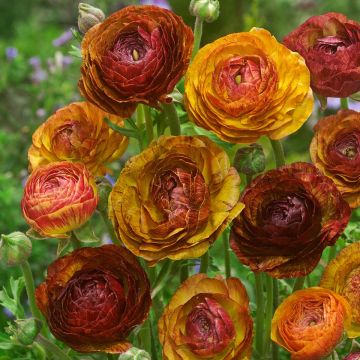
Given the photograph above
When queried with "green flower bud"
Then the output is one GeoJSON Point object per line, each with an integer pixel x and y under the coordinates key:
{"type": "Point", "coordinates": [24, 331]}
{"type": "Point", "coordinates": [135, 354]}
{"type": "Point", "coordinates": [104, 188]}
{"type": "Point", "coordinates": [207, 10]}
{"type": "Point", "coordinates": [250, 160]}
{"type": "Point", "coordinates": [15, 248]}
{"type": "Point", "coordinates": [89, 16]}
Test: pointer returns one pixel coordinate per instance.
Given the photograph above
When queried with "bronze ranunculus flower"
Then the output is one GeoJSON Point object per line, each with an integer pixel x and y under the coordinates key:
{"type": "Point", "coordinates": [291, 214]}
{"type": "Point", "coordinates": [330, 45]}
{"type": "Point", "coordinates": [335, 151]}
{"type": "Point", "coordinates": [207, 319]}
{"type": "Point", "coordinates": [93, 297]}
{"type": "Point", "coordinates": [175, 198]}
{"type": "Point", "coordinates": [310, 323]}
{"type": "Point", "coordinates": [137, 54]}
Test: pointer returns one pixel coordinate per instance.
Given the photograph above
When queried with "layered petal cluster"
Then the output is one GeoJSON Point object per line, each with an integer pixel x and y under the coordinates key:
{"type": "Point", "coordinates": [93, 297]}
{"type": "Point", "coordinates": [335, 151]}
{"type": "Point", "coordinates": [330, 45]}
{"type": "Point", "coordinates": [137, 54]}
{"type": "Point", "coordinates": [246, 85]}
{"type": "Point", "coordinates": [207, 318]}
{"type": "Point", "coordinates": [175, 198]}
{"type": "Point", "coordinates": [291, 214]}
{"type": "Point", "coordinates": [58, 198]}
{"type": "Point", "coordinates": [78, 133]}
{"type": "Point", "coordinates": [310, 323]}
{"type": "Point", "coordinates": [342, 275]}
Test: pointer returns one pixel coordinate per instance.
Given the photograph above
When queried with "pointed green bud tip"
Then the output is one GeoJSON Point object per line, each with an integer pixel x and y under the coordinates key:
{"type": "Point", "coordinates": [104, 188]}
{"type": "Point", "coordinates": [250, 160]}
{"type": "Point", "coordinates": [207, 10]}
{"type": "Point", "coordinates": [24, 331]}
{"type": "Point", "coordinates": [89, 16]}
{"type": "Point", "coordinates": [135, 354]}
{"type": "Point", "coordinates": [15, 248]}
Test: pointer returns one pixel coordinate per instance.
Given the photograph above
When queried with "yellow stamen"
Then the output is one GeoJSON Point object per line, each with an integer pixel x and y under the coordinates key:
{"type": "Point", "coordinates": [238, 79]}
{"type": "Point", "coordinates": [135, 55]}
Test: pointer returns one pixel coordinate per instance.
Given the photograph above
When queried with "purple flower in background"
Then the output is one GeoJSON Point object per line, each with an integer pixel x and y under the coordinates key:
{"type": "Point", "coordinates": [161, 3]}
{"type": "Point", "coordinates": [39, 75]}
{"type": "Point", "coordinates": [11, 53]}
{"type": "Point", "coordinates": [35, 62]}
{"type": "Point", "coordinates": [64, 38]}
{"type": "Point", "coordinates": [40, 112]}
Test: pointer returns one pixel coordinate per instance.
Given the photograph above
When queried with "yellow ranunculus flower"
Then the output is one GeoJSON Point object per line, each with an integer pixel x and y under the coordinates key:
{"type": "Point", "coordinates": [78, 133]}
{"type": "Point", "coordinates": [175, 198]}
{"type": "Point", "coordinates": [246, 85]}
{"type": "Point", "coordinates": [342, 275]}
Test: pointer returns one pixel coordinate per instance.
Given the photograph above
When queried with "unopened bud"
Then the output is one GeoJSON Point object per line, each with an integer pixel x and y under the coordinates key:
{"type": "Point", "coordinates": [24, 331]}
{"type": "Point", "coordinates": [89, 16]}
{"type": "Point", "coordinates": [250, 160]}
{"type": "Point", "coordinates": [207, 10]}
{"type": "Point", "coordinates": [135, 354]}
{"type": "Point", "coordinates": [104, 188]}
{"type": "Point", "coordinates": [15, 248]}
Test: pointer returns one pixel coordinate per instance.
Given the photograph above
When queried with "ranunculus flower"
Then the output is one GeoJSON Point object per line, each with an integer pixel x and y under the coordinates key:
{"type": "Point", "coordinates": [291, 214]}
{"type": "Point", "coordinates": [93, 297]}
{"type": "Point", "coordinates": [353, 356]}
{"type": "Point", "coordinates": [207, 318]}
{"type": "Point", "coordinates": [335, 151]}
{"type": "Point", "coordinates": [342, 275]}
{"type": "Point", "coordinates": [175, 198]}
{"type": "Point", "coordinates": [58, 198]}
{"type": "Point", "coordinates": [330, 45]}
{"type": "Point", "coordinates": [137, 54]}
{"type": "Point", "coordinates": [310, 323]}
{"type": "Point", "coordinates": [246, 85]}
{"type": "Point", "coordinates": [77, 132]}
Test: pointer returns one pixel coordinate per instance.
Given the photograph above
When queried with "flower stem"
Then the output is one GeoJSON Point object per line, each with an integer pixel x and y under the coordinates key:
{"type": "Point", "coordinates": [51, 348]}
{"type": "Point", "coordinates": [248, 179]}
{"type": "Point", "coordinates": [110, 228]}
{"type": "Point", "coordinates": [198, 30]}
{"type": "Point", "coordinates": [344, 103]}
{"type": "Point", "coordinates": [278, 152]}
{"type": "Point", "coordinates": [173, 118]}
{"type": "Point", "coordinates": [184, 271]}
{"type": "Point", "coordinates": [332, 253]}
{"type": "Point", "coordinates": [275, 347]}
{"type": "Point", "coordinates": [140, 119]}
{"type": "Point", "coordinates": [269, 312]}
{"type": "Point", "coordinates": [76, 244]}
{"type": "Point", "coordinates": [226, 254]}
{"type": "Point", "coordinates": [299, 283]}
{"type": "Point", "coordinates": [158, 282]}
{"type": "Point", "coordinates": [148, 124]}
{"type": "Point", "coordinates": [204, 264]}
{"type": "Point", "coordinates": [259, 321]}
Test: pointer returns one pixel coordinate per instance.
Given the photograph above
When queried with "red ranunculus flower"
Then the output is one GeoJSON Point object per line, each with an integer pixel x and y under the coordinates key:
{"type": "Point", "coordinates": [93, 297]}
{"type": "Point", "coordinates": [291, 214]}
{"type": "Point", "coordinates": [137, 54]}
{"type": "Point", "coordinates": [330, 45]}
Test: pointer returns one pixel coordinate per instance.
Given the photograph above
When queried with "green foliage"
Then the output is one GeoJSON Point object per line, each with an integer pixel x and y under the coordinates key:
{"type": "Point", "coordinates": [11, 299]}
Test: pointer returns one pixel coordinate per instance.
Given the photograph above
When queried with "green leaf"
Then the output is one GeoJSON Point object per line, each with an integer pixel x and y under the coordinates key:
{"type": "Point", "coordinates": [31, 233]}
{"type": "Point", "coordinates": [5, 342]}
{"type": "Point", "coordinates": [86, 233]}
{"type": "Point", "coordinates": [11, 300]}
{"type": "Point", "coordinates": [122, 130]}
{"type": "Point", "coordinates": [62, 245]}
{"type": "Point", "coordinates": [76, 52]}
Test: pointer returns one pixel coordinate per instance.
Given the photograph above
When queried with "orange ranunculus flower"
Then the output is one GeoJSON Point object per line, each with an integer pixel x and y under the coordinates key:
{"type": "Point", "coordinates": [137, 54]}
{"type": "Point", "coordinates": [175, 198]}
{"type": "Point", "coordinates": [58, 198]}
{"type": "Point", "coordinates": [310, 323]}
{"type": "Point", "coordinates": [335, 150]}
{"type": "Point", "coordinates": [207, 318]}
{"type": "Point", "coordinates": [246, 85]}
{"type": "Point", "coordinates": [289, 219]}
{"type": "Point", "coordinates": [93, 297]}
{"type": "Point", "coordinates": [342, 275]}
{"type": "Point", "coordinates": [77, 132]}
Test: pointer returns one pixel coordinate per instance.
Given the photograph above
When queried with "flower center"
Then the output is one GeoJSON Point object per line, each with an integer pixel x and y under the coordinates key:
{"type": "Point", "coordinates": [331, 44]}
{"type": "Point", "coordinates": [348, 146]}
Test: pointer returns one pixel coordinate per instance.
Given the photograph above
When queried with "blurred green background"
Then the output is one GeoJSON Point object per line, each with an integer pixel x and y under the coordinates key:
{"type": "Point", "coordinates": [38, 76]}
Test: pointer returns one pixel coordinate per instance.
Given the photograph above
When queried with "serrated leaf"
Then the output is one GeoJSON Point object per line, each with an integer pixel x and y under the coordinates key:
{"type": "Point", "coordinates": [355, 96]}
{"type": "Point", "coordinates": [31, 233]}
{"type": "Point", "coordinates": [86, 233]}
{"type": "Point", "coordinates": [76, 52]}
{"type": "Point", "coordinates": [62, 244]}
{"type": "Point", "coordinates": [122, 130]}
{"type": "Point", "coordinates": [5, 342]}
{"type": "Point", "coordinates": [11, 300]}
{"type": "Point", "coordinates": [177, 96]}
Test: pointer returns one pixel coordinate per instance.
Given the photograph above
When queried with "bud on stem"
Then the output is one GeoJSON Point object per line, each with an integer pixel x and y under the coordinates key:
{"type": "Point", "coordinates": [207, 10]}
{"type": "Point", "coordinates": [89, 16]}
{"type": "Point", "coordinates": [15, 248]}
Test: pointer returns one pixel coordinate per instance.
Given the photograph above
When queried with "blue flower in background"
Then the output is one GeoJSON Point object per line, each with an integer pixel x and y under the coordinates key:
{"type": "Point", "coordinates": [11, 53]}
{"type": "Point", "coordinates": [161, 3]}
{"type": "Point", "coordinates": [64, 38]}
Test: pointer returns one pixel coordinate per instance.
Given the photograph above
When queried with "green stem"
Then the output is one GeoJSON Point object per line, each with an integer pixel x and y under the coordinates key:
{"type": "Point", "coordinates": [344, 103]}
{"type": "Point", "coordinates": [184, 271]}
{"type": "Point", "coordinates": [259, 321]}
{"type": "Point", "coordinates": [76, 244]}
{"type": "Point", "coordinates": [227, 254]}
{"type": "Point", "coordinates": [51, 348]}
{"type": "Point", "coordinates": [299, 283]}
{"type": "Point", "coordinates": [269, 312]}
{"type": "Point", "coordinates": [198, 30]}
{"type": "Point", "coordinates": [140, 119]}
{"type": "Point", "coordinates": [110, 228]}
{"type": "Point", "coordinates": [173, 118]}
{"type": "Point", "coordinates": [278, 152]}
{"type": "Point", "coordinates": [275, 347]}
{"type": "Point", "coordinates": [30, 289]}
{"type": "Point", "coordinates": [158, 282]}
{"type": "Point", "coordinates": [148, 124]}
{"type": "Point", "coordinates": [204, 264]}
{"type": "Point", "coordinates": [332, 253]}
{"type": "Point", "coordinates": [248, 179]}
